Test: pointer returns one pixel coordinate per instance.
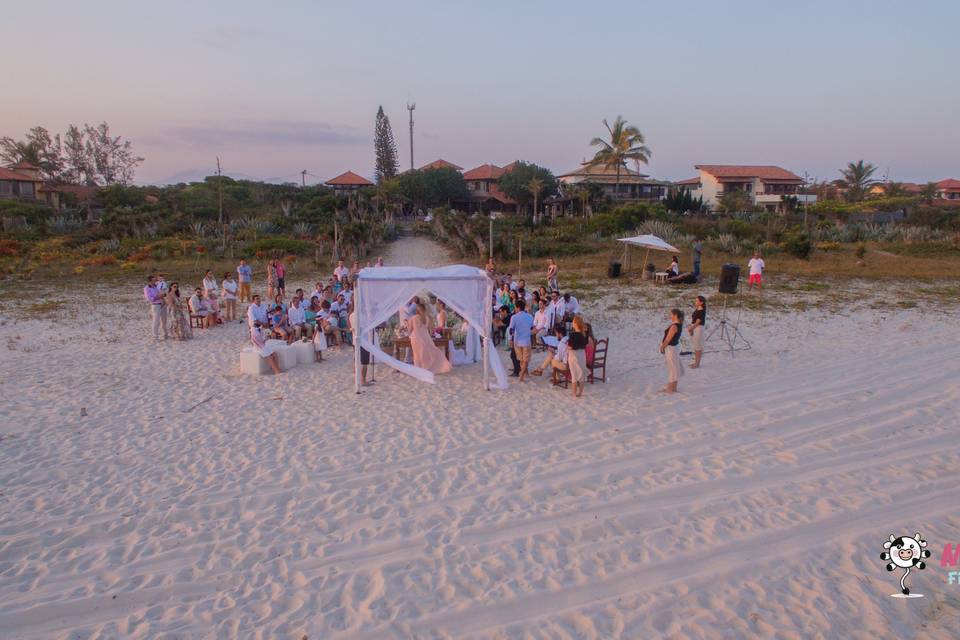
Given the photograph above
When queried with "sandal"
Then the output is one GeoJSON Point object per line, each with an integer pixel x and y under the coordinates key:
{"type": "Point", "coordinates": [537, 372]}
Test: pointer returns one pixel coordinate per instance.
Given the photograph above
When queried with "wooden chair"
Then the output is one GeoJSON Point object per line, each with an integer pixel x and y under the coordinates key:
{"type": "Point", "coordinates": [560, 378]}
{"type": "Point", "coordinates": [196, 321]}
{"type": "Point", "coordinates": [599, 362]}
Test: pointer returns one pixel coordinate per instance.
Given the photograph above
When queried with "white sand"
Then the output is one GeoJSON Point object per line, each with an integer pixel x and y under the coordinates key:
{"type": "Point", "coordinates": [192, 502]}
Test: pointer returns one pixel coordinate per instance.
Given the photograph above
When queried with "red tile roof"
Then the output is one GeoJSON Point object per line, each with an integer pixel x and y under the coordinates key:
{"type": "Point", "coordinates": [950, 184]}
{"type": "Point", "coordinates": [734, 171]}
{"type": "Point", "coordinates": [349, 179]}
{"type": "Point", "coordinates": [689, 181]}
{"type": "Point", "coordinates": [440, 163]}
{"type": "Point", "coordinates": [23, 164]}
{"type": "Point", "coordinates": [7, 174]}
{"type": "Point", "coordinates": [484, 172]}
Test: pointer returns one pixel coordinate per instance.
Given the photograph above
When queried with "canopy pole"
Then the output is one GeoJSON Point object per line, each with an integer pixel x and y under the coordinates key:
{"type": "Point", "coordinates": [646, 261]}
{"type": "Point", "coordinates": [356, 338]}
{"type": "Point", "coordinates": [488, 320]}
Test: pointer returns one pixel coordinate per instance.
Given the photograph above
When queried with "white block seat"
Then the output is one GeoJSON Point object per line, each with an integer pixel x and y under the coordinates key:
{"type": "Point", "coordinates": [286, 356]}
{"type": "Point", "coordinates": [305, 351]}
{"type": "Point", "coordinates": [252, 364]}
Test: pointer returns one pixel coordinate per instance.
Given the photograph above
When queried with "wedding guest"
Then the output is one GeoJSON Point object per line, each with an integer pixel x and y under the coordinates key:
{"type": "Point", "coordinates": [571, 306]}
{"type": "Point", "coordinates": [162, 285]}
{"type": "Point", "coordinates": [328, 323]}
{"type": "Point", "coordinates": [698, 323]}
{"type": "Point", "coordinates": [271, 279]}
{"type": "Point", "coordinates": [257, 312]}
{"type": "Point", "coordinates": [212, 305]}
{"type": "Point", "coordinates": [674, 269]}
{"type": "Point", "coordinates": [281, 270]}
{"type": "Point", "coordinates": [552, 271]}
{"type": "Point", "coordinates": [199, 308]}
{"type": "Point", "coordinates": [364, 354]}
{"type": "Point", "coordinates": [558, 307]}
{"type": "Point", "coordinates": [379, 262]}
{"type": "Point", "coordinates": [209, 284]}
{"type": "Point", "coordinates": [158, 311]}
{"type": "Point", "coordinates": [541, 324]}
{"type": "Point", "coordinates": [297, 321]}
{"type": "Point", "coordinates": [556, 357]}
{"type": "Point", "coordinates": [520, 328]}
{"type": "Point", "coordinates": [265, 346]}
{"type": "Point", "coordinates": [179, 321]}
{"type": "Point", "coordinates": [697, 255]}
{"type": "Point", "coordinates": [670, 348]}
{"type": "Point", "coordinates": [441, 316]}
{"type": "Point", "coordinates": [576, 356]}
{"type": "Point", "coordinates": [354, 271]}
{"type": "Point", "coordinates": [244, 278]}
{"type": "Point", "coordinates": [229, 288]}
{"type": "Point", "coordinates": [756, 271]}
{"type": "Point", "coordinates": [278, 323]}
{"type": "Point", "coordinates": [341, 273]}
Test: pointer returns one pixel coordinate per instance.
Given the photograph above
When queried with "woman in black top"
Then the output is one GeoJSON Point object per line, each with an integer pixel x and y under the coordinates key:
{"type": "Point", "coordinates": [577, 355]}
{"type": "Point", "coordinates": [698, 321]}
{"type": "Point", "coordinates": [670, 348]}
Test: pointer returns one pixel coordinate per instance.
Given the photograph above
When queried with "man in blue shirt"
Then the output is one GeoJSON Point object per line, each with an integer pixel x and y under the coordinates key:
{"type": "Point", "coordinates": [244, 276]}
{"type": "Point", "coordinates": [521, 324]}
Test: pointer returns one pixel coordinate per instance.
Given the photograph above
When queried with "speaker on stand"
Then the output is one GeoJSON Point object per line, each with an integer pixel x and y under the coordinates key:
{"type": "Point", "coordinates": [729, 331]}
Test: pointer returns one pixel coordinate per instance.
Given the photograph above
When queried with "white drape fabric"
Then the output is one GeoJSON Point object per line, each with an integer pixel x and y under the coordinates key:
{"type": "Point", "coordinates": [466, 290]}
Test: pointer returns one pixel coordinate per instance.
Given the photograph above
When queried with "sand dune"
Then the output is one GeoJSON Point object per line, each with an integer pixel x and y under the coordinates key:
{"type": "Point", "coordinates": [193, 502]}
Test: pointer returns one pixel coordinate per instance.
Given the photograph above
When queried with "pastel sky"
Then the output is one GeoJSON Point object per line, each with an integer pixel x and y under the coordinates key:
{"type": "Point", "coordinates": [276, 87]}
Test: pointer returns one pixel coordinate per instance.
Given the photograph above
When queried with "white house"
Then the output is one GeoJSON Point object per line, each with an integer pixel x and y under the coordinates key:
{"type": "Point", "coordinates": [766, 185]}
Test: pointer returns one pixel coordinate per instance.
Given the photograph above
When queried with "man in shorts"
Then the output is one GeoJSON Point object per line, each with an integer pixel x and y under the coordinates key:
{"type": "Point", "coordinates": [244, 276]}
{"type": "Point", "coordinates": [756, 271]}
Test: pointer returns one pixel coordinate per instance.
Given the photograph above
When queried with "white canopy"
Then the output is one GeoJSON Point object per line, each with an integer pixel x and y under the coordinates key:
{"type": "Point", "coordinates": [650, 242]}
{"type": "Point", "coordinates": [382, 291]}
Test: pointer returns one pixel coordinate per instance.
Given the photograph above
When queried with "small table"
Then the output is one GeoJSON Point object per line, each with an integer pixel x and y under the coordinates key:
{"type": "Point", "coordinates": [404, 343]}
{"type": "Point", "coordinates": [661, 276]}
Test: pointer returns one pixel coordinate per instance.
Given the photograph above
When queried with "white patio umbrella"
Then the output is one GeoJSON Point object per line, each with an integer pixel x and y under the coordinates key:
{"type": "Point", "coordinates": [648, 242]}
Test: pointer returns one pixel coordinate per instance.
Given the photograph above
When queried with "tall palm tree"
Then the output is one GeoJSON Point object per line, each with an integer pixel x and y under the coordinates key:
{"type": "Point", "coordinates": [858, 177]}
{"type": "Point", "coordinates": [535, 186]}
{"type": "Point", "coordinates": [625, 143]}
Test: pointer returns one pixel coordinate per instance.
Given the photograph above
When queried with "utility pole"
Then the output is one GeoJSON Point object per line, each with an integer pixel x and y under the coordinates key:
{"type": "Point", "coordinates": [410, 107]}
{"type": "Point", "coordinates": [219, 192]}
{"type": "Point", "coordinates": [303, 178]}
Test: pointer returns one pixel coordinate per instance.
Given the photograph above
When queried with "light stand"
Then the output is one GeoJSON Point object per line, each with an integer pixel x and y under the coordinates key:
{"type": "Point", "coordinates": [730, 331]}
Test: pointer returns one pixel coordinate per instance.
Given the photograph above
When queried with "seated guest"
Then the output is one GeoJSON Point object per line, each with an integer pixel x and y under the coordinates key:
{"type": "Point", "coordinates": [557, 307]}
{"type": "Point", "coordinates": [297, 321]}
{"type": "Point", "coordinates": [571, 307]}
{"type": "Point", "coordinates": [674, 269]}
{"type": "Point", "coordinates": [541, 325]}
{"type": "Point", "coordinates": [317, 290]}
{"type": "Point", "coordinates": [257, 312]}
{"type": "Point", "coordinates": [328, 323]}
{"type": "Point", "coordinates": [347, 292]}
{"type": "Point", "coordinates": [556, 356]}
{"type": "Point", "coordinates": [264, 346]}
{"type": "Point", "coordinates": [311, 310]}
{"type": "Point", "coordinates": [278, 323]}
{"type": "Point", "coordinates": [213, 308]}
{"type": "Point", "coordinates": [198, 307]}
{"type": "Point", "coordinates": [278, 301]}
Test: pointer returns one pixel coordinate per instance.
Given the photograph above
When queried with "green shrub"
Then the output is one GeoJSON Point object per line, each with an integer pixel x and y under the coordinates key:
{"type": "Point", "coordinates": [277, 246]}
{"type": "Point", "coordinates": [797, 244]}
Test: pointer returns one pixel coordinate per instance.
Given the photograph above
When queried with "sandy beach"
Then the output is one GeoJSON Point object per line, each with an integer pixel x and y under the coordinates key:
{"type": "Point", "coordinates": [151, 490]}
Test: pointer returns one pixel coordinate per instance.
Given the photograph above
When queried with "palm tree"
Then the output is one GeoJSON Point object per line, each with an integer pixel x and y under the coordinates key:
{"type": "Point", "coordinates": [535, 186]}
{"type": "Point", "coordinates": [858, 177]}
{"type": "Point", "coordinates": [625, 143]}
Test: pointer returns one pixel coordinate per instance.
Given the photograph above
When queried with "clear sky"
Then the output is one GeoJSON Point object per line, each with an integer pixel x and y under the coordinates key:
{"type": "Point", "coordinates": [276, 87]}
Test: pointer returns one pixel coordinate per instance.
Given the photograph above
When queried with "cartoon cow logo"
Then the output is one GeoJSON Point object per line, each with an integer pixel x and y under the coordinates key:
{"type": "Point", "coordinates": [906, 553]}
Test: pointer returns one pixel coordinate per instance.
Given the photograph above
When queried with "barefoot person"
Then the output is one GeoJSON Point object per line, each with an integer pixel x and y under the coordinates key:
{"type": "Point", "coordinates": [179, 322]}
{"type": "Point", "coordinates": [158, 310]}
{"type": "Point", "coordinates": [552, 270]}
{"type": "Point", "coordinates": [229, 290]}
{"type": "Point", "coordinates": [244, 277]}
{"type": "Point", "coordinates": [577, 355]}
{"type": "Point", "coordinates": [264, 346]}
{"type": "Point", "coordinates": [756, 271]}
{"type": "Point", "coordinates": [670, 348]}
{"type": "Point", "coordinates": [698, 322]}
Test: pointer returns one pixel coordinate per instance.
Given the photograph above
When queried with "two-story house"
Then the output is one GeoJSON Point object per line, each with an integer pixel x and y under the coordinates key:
{"type": "Point", "coordinates": [629, 186]}
{"type": "Point", "coordinates": [765, 185]}
{"type": "Point", "coordinates": [485, 194]}
{"type": "Point", "coordinates": [21, 180]}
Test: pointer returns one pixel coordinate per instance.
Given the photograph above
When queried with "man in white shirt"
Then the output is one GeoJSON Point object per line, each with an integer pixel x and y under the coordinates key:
{"type": "Point", "coordinates": [317, 291]}
{"type": "Point", "coordinates": [347, 292]}
{"type": "Point", "coordinates": [341, 273]}
{"type": "Point", "coordinates": [756, 271]}
{"type": "Point", "coordinates": [298, 320]}
{"type": "Point", "coordinates": [557, 307]}
{"type": "Point", "coordinates": [571, 306]}
{"type": "Point", "coordinates": [339, 308]}
{"type": "Point", "coordinates": [257, 312]}
{"type": "Point", "coordinates": [541, 324]}
{"type": "Point", "coordinates": [198, 307]}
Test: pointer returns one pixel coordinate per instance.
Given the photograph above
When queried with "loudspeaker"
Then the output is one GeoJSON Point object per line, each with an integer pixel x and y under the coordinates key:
{"type": "Point", "coordinates": [613, 271]}
{"type": "Point", "coordinates": [729, 278]}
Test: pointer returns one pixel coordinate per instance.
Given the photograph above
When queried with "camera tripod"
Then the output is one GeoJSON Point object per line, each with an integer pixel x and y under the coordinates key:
{"type": "Point", "coordinates": [729, 331]}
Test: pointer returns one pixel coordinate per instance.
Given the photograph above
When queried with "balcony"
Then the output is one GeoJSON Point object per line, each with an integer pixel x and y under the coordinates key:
{"type": "Point", "coordinates": [776, 198]}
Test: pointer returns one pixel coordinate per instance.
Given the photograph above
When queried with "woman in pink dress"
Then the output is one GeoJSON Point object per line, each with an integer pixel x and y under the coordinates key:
{"type": "Point", "coordinates": [425, 354]}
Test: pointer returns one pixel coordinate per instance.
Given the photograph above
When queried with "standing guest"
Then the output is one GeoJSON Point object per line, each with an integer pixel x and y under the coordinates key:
{"type": "Point", "coordinates": [256, 312]}
{"type": "Point", "coordinates": [347, 292]}
{"type": "Point", "coordinates": [504, 297]}
{"type": "Point", "coordinates": [265, 347]}
{"type": "Point", "coordinates": [670, 348]}
{"type": "Point", "coordinates": [674, 269]}
{"type": "Point", "coordinates": [491, 267]}
{"type": "Point", "coordinates": [244, 277]}
{"type": "Point", "coordinates": [697, 254]}
{"type": "Point", "coordinates": [271, 279]}
{"type": "Point", "coordinates": [577, 356]}
{"type": "Point", "coordinates": [319, 340]}
{"type": "Point", "coordinates": [354, 271]}
{"type": "Point", "coordinates": [379, 262]}
{"type": "Point", "coordinates": [756, 271]}
{"type": "Point", "coordinates": [514, 297]}
{"type": "Point", "coordinates": [341, 273]}
{"type": "Point", "coordinates": [179, 322]}
{"type": "Point", "coordinates": [199, 308]}
{"type": "Point", "coordinates": [698, 323]}
{"type": "Point", "coordinates": [317, 291]}
{"type": "Point", "coordinates": [229, 288]}
{"type": "Point", "coordinates": [441, 316]}
{"type": "Point", "coordinates": [364, 354]}
{"type": "Point", "coordinates": [552, 270]}
{"type": "Point", "coordinates": [281, 277]}
{"type": "Point", "coordinates": [158, 310]}
{"type": "Point", "coordinates": [500, 321]}
{"type": "Point", "coordinates": [297, 320]}
{"type": "Point", "coordinates": [162, 285]}
{"type": "Point", "coordinates": [209, 284]}
{"type": "Point", "coordinates": [520, 328]}
{"type": "Point", "coordinates": [558, 307]}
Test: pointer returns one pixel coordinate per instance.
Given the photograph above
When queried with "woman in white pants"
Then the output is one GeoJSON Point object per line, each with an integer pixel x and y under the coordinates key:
{"type": "Point", "coordinates": [698, 323]}
{"type": "Point", "coordinates": [670, 348]}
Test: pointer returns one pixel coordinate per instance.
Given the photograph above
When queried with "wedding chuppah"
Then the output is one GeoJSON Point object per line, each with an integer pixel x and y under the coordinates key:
{"type": "Point", "coordinates": [382, 291]}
